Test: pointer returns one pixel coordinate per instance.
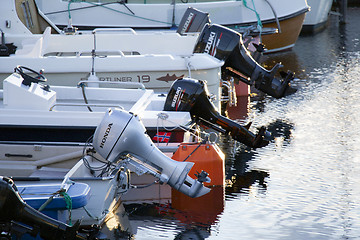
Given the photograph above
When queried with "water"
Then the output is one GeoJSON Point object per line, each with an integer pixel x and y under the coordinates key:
{"type": "Point", "coordinates": [304, 184]}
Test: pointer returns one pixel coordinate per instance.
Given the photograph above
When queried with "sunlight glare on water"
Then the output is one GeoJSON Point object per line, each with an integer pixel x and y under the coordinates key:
{"type": "Point", "coordinates": [312, 188]}
{"type": "Point", "coordinates": [305, 183]}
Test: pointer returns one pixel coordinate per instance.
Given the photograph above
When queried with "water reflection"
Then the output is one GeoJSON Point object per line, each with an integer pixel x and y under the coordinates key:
{"type": "Point", "coordinates": [242, 183]}
{"type": "Point", "coordinates": [304, 184]}
{"type": "Point", "coordinates": [202, 211]}
{"type": "Point", "coordinates": [193, 234]}
{"type": "Point", "coordinates": [281, 128]}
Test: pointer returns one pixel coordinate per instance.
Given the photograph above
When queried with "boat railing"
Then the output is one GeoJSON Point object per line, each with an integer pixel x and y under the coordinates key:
{"type": "Point", "coordinates": [83, 105]}
{"type": "Point", "coordinates": [99, 53]}
{"type": "Point", "coordinates": [33, 179]}
{"type": "Point", "coordinates": [103, 53]}
{"type": "Point", "coordinates": [114, 30]}
{"type": "Point", "coordinates": [121, 84]}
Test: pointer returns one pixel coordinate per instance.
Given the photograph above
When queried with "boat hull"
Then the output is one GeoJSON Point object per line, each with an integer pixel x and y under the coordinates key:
{"type": "Point", "coordinates": [159, 15]}
{"type": "Point", "coordinates": [286, 39]}
{"type": "Point", "coordinates": [316, 20]}
{"type": "Point", "coordinates": [101, 200]}
{"type": "Point", "coordinates": [162, 15]}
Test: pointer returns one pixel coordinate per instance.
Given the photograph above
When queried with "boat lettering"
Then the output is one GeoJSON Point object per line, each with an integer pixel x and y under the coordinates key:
{"type": "Point", "coordinates": [106, 134]}
{"type": "Point", "coordinates": [139, 78]}
{"type": "Point", "coordinates": [210, 42]}
{"type": "Point", "coordinates": [116, 79]}
{"type": "Point", "coordinates": [143, 78]}
{"type": "Point", "coordinates": [187, 23]}
{"type": "Point", "coordinates": [177, 98]}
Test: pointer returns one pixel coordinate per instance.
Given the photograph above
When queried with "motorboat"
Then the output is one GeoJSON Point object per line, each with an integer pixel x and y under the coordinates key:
{"type": "Point", "coordinates": [48, 124]}
{"type": "Point", "coordinates": [21, 220]}
{"type": "Point", "coordinates": [45, 132]}
{"type": "Point", "coordinates": [119, 144]}
{"type": "Point", "coordinates": [316, 19]}
{"type": "Point", "coordinates": [286, 16]}
{"type": "Point", "coordinates": [117, 55]}
{"type": "Point", "coordinates": [97, 180]}
{"type": "Point", "coordinates": [62, 114]}
{"type": "Point", "coordinates": [123, 55]}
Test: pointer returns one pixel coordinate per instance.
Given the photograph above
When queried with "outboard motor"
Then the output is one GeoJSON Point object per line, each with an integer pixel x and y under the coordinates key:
{"type": "Point", "coordinates": [14, 212]}
{"type": "Point", "coordinates": [193, 21]}
{"type": "Point", "coordinates": [121, 133]}
{"type": "Point", "coordinates": [193, 96]}
{"type": "Point", "coordinates": [6, 48]}
{"type": "Point", "coordinates": [227, 45]}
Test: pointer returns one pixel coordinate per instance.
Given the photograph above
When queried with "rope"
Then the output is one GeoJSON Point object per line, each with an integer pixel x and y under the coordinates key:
{"type": "Point", "coordinates": [69, 12]}
{"type": "Point", "coordinates": [90, 214]}
{"type": "Point", "coordinates": [193, 151]}
{"type": "Point", "coordinates": [164, 117]}
{"type": "Point", "coordinates": [68, 202]}
{"type": "Point", "coordinates": [67, 198]}
{"type": "Point", "coordinates": [109, 8]}
{"type": "Point", "coordinates": [259, 24]}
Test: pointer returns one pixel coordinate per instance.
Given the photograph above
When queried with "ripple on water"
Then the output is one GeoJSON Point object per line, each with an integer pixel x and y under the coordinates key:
{"type": "Point", "coordinates": [305, 183]}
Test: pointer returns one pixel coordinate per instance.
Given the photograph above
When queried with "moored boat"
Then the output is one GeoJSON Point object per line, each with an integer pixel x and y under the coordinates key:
{"type": "Point", "coordinates": [52, 123]}
{"type": "Point", "coordinates": [287, 16]}
{"type": "Point", "coordinates": [19, 219]}
{"type": "Point", "coordinates": [316, 19]}
{"type": "Point", "coordinates": [101, 175]}
{"type": "Point", "coordinates": [123, 55]}
{"type": "Point", "coordinates": [118, 55]}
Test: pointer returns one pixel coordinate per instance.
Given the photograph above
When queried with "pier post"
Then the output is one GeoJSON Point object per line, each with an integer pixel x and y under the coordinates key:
{"type": "Point", "coordinates": [343, 10]}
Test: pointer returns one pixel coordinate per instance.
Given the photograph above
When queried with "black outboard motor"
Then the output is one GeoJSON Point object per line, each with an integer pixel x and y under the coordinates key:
{"type": "Point", "coordinates": [193, 96]}
{"type": "Point", "coordinates": [14, 211]}
{"type": "Point", "coordinates": [6, 48]}
{"type": "Point", "coordinates": [192, 21]}
{"type": "Point", "coordinates": [227, 45]}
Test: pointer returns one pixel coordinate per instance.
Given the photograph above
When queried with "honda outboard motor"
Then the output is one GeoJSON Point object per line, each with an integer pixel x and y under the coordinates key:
{"type": "Point", "coordinates": [227, 45]}
{"type": "Point", "coordinates": [121, 133]}
{"type": "Point", "coordinates": [193, 96]}
{"type": "Point", "coordinates": [14, 211]}
{"type": "Point", "coordinates": [192, 21]}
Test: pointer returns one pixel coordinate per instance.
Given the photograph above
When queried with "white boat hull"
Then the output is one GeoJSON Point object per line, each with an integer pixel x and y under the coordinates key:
{"type": "Point", "coordinates": [104, 191]}
{"type": "Point", "coordinates": [121, 55]}
{"type": "Point", "coordinates": [62, 116]}
{"type": "Point", "coordinates": [160, 14]}
{"type": "Point", "coordinates": [155, 14]}
{"type": "Point", "coordinates": [317, 17]}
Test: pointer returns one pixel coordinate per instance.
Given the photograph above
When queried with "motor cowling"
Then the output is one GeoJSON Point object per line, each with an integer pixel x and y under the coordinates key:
{"type": "Point", "coordinates": [193, 96]}
{"type": "Point", "coordinates": [121, 133]}
{"type": "Point", "coordinates": [192, 21]}
{"type": "Point", "coordinates": [227, 45]}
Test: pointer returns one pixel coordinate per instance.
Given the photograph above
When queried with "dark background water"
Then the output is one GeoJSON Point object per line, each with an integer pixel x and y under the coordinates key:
{"type": "Point", "coordinates": [305, 183]}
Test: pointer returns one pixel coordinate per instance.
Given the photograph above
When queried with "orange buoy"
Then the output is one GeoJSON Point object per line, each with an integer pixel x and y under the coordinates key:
{"type": "Point", "coordinates": [207, 157]}
{"type": "Point", "coordinates": [204, 209]}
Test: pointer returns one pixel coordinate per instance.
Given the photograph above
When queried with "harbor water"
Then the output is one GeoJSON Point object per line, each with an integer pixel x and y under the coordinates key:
{"type": "Point", "coordinates": [305, 183]}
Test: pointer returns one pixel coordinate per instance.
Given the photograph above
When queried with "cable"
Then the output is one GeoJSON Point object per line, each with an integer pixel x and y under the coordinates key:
{"type": "Point", "coordinates": [82, 85]}
{"type": "Point", "coordinates": [259, 24]}
{"type": "Point", "coordinates": [105, 168]}
{"type": "Point", "coordinates": [103, 5]}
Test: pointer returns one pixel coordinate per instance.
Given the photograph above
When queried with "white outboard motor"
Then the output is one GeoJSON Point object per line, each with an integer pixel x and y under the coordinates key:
{"type": "Point", "coordinates": [121, 133]}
